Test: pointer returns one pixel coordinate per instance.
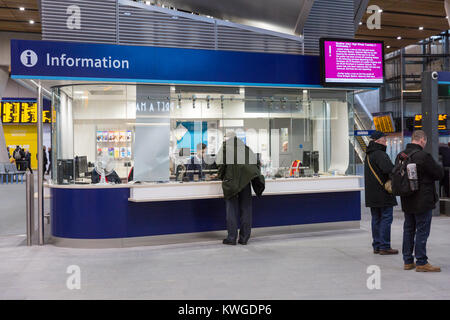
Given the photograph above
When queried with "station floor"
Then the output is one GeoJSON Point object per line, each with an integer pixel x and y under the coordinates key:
{"type": "Point", "coordinates": [319, 265]}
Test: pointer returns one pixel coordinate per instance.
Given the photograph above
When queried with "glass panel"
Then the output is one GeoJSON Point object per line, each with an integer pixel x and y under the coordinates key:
{"type": "Point", "coordinates": [153, 133]}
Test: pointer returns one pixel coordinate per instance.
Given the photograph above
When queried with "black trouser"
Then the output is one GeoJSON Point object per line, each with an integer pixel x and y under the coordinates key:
{"type": "Point", "coordinates": [416, 231]}
{"type": "Point", "coordinates": [239, 208]}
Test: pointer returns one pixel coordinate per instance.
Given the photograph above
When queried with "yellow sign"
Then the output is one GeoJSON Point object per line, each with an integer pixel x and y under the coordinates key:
{"type": "Point", "coordinates": [384, 123]}
{"type": "Point", "coordinates": [22, 112]}
{"type": "Point", "coordinates": [442, 121]}
{"type": "Point", "coordinates": [11, 112]}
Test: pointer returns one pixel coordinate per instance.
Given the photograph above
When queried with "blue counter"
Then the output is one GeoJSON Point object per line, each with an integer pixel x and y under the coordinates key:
{"type": "Point", "coordinates": [79, 212]}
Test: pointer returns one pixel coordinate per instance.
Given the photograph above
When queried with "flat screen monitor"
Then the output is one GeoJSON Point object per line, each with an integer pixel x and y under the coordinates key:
{"type": "Point", "coordinates": [81, 165]}
{"type": "Point", "coordinates": [306, 158]}
{"type": "Point", "coordinates": [65, 170]}
{"type": "Point", "coordinates": [184, 152]}
{"type": "Point", "coordinates": [351, 63]}
{"type": "Point", "coordinates": [311, 160]}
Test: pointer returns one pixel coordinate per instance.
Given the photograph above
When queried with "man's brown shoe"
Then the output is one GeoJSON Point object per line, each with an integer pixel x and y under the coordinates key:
{"type": "Point", "coordinates": [388, 251]}
{"type": "Point", "coordinates": [376, 251]}
{"type": "Point", "coordinates": [428, 268]}
{"type": "Point", "coordinates": [409, 266]}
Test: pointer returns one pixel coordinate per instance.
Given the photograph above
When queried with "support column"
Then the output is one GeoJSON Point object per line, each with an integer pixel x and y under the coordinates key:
{"type": "Point", "coordinates": [430, 112]}
{"type": "Point", "coordinates": [40, 168]}
{"type": "Point", "coordinates": [4, 76]}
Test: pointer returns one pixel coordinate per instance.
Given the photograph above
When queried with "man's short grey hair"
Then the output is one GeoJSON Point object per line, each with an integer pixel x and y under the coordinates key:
{"type": "Point", "coordinates": [418, 134]}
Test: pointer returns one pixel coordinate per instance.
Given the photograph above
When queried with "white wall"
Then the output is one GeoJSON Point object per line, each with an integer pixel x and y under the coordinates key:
{"type": "Point", "coordinates": [15, 90]}
{"type": "Point", "coordinates": [5, 40]}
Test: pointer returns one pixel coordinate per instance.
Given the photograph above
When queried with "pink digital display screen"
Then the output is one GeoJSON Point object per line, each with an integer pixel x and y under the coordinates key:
{"type": "Point", "coordinates": [352, 62]}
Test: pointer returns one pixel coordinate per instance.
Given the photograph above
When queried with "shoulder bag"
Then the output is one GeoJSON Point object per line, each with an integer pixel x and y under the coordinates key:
{"type": "Point", "coordinates": [388, 185]}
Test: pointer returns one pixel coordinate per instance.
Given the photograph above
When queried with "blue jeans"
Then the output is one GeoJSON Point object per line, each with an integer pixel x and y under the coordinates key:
{"type": "Point", "coordinates": [381, 227]}
{"type": "Point", "coordinates": [416, 230]}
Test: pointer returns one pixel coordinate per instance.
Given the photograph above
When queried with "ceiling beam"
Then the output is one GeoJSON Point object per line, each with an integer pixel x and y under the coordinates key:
{"type": "Point", "coordinates": [303, 16]}
{"type": "Point", "coordinates": [359, 12]}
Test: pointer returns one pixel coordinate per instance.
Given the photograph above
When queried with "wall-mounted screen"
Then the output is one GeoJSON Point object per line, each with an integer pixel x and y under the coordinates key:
{"type": "Point", "coordinates": [352, 62]}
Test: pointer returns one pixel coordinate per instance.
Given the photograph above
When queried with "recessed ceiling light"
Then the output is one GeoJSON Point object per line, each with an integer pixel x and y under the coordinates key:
{"type": "Point", "coordinates": [31, 21]}
{"type": "Point", "coordinates": [388, 47]}
{"type": "Point", "coordinates": [22, 9]}
{"type": "Point", "coordinates": [147, 3]}
{"type": "Point", "coordinates": [399, 38]}
{"type": "Point", "coordinates": [420, 28]}
{"type": "Point", "coordinates": [380, 11]}
{"type": "Point", "coordinates": [446, 17]}
{"type": "Point", "coordinates": [360, 23]}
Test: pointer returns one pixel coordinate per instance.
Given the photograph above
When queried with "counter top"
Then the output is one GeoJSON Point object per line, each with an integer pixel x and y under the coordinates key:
{"type": "Point", "coordinates": [173, 183]}
{"type": "Point", "coordinates": [175, 191]}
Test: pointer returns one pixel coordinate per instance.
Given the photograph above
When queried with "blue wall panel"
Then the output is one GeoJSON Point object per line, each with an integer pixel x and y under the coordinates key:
{"type": "Point", "coordinates": [107, 213]}
{"type": "Point", "coordinates": [89, 213]}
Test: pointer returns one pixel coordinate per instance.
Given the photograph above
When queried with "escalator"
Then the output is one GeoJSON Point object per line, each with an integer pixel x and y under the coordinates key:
{"type": "Point", "coordinates": [361, 143]}
{"type": "Point", "coordinates": [363, 121]}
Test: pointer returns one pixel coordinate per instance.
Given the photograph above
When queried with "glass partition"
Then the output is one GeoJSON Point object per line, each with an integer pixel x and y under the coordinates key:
{"type": "Point", "coordinates": [109, 133]}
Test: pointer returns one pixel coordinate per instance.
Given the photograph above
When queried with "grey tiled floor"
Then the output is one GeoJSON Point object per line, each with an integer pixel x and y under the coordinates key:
{"type": "Point", "coordinates": [327, 265]}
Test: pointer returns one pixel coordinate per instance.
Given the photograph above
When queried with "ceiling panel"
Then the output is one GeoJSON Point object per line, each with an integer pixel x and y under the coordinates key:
{"type": "Point", "coordinates": [19, 26]}
{"type": "Point", "coordinates": [6, 14]}
{"type": "Point", "coordinates": [403, 18]}
{"type": "Point", "coordinates": [428, 7]}
{"type": "Point", "coordinates": [394, 32]}
{"type": "Point", "coordinates": [28, 4]}
{"type": "Point", "coordinates": [13, 19]}
{"type": "Point", "coordinates": [411, 20]}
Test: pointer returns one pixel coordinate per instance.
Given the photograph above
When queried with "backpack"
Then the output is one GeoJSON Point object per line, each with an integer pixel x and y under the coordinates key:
{"type": "Point", "coordinates": [17, 155]}
{"type": "Point", "coordinates": [400, 181]}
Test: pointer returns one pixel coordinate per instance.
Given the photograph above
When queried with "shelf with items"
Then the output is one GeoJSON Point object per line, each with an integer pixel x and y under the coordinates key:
{"type": "Point", "coordinates": [115, 143]}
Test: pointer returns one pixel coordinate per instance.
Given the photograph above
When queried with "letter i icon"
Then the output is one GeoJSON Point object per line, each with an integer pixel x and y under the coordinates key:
{"type": "Point", "coordinates": [29, 58]}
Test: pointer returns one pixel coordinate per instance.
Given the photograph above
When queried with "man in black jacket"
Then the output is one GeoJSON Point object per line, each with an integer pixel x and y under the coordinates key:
{"type": "Point", "coordinates": [377, 168]}
{"type": "Point", "coordinates": [418, 206]}
{"type": "Point", "coordinates": [28, 161]}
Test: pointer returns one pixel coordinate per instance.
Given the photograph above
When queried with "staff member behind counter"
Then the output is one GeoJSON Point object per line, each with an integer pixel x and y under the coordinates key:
{"type": "Point", "coordinates": [198, 166]}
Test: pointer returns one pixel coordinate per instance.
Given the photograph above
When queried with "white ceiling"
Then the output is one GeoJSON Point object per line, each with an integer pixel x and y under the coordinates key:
{"type": "Point", "coordinates": [287, 16]}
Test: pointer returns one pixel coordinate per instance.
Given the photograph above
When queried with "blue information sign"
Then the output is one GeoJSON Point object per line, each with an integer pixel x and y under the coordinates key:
{"type": "Point", "coordinates": [102, 62]}
{"type": "Point", "coordinates": [363, 133]}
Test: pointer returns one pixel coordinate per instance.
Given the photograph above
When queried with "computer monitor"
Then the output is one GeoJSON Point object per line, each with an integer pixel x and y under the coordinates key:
{"type": "Point", "coordinates": [64, 168]}
{"type": "Point", "coordinates": [184, 152]}
{"type": "Point", "coordinates": [315, 161]}
{"type": "Point", "coordinates": [306, 159]}
{"type": "Point", "coordinates": [311, 160]}
{"type": "Point", "coordinates": [81, 166]}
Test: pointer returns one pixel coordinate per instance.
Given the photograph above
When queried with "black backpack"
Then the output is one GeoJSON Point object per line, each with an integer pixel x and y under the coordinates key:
{"type": "Point", "coordinates": [399, 175]}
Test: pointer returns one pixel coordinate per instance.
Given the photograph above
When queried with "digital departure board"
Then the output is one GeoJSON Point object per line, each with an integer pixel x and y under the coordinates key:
{"type": "Point", "coordinates": [352, 62]}
{"type": "Point", "coordinates": [17, 111]}
{"type": "Point", "coordinates": [384, 122]}
{"type": "Point", "coordinates": [442, 122]}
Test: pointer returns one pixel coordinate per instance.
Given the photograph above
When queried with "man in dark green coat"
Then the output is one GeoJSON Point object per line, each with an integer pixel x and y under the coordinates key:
{"type": "Point", "coordinates": [238, 169]}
